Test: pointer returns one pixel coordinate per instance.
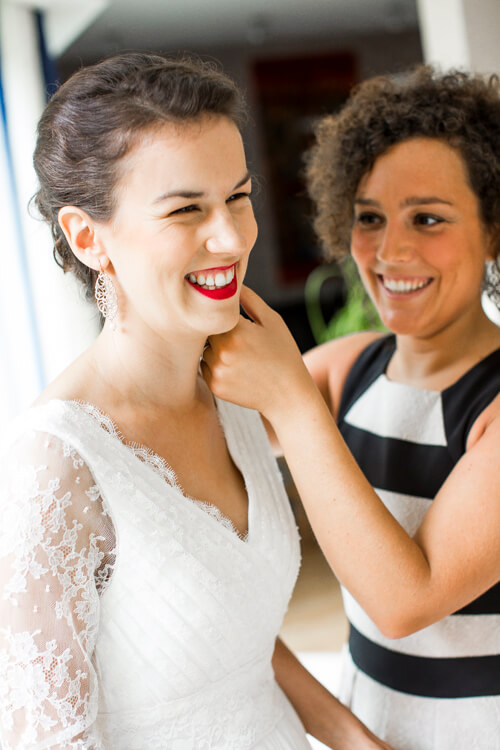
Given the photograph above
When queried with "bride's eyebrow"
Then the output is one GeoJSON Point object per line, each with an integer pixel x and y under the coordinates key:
{"type": "Point", "coordinates": [245, 178]}
{"type": "Point", "coordinates": [193, 194]}
{"type": "Point", "coordinates": [178, 194]}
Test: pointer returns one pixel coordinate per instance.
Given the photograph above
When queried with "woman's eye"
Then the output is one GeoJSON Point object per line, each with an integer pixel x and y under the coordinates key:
{"type": "Point", "coordinates": [369, 219]}
{"type": "Point", "coordinates": [238, 196]}
{"type": "Point", "coordinates": [428, 220]}
{"type": "Point", "coordinates": [185, 210]}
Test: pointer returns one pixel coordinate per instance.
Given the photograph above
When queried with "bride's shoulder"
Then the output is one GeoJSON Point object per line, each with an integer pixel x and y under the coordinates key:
{"type": "Point", "coordinates": [40, 425]}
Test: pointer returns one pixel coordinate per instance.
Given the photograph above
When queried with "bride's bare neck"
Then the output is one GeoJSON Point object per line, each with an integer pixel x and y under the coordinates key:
{"type": "Point", "coordinates": [147, 374]}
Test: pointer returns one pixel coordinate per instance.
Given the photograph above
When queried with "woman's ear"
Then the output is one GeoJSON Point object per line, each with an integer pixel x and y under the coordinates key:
{"type": "Point", "coordinates": [80, 232]}
{"type": "Point", "coordinates": [493, 244]}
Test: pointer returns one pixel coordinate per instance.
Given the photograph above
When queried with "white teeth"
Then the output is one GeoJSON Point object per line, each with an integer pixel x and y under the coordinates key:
{"type": "Point", "coordinates": [214, 280]}
{"type": "Point", "coordinates": [401, 286]}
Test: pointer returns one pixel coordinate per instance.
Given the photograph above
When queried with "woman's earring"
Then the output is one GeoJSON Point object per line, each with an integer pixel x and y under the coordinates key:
{"type": "Point", "coordinates": [105, 296]}
{"type": "Point", "coordinates": [492, 281]}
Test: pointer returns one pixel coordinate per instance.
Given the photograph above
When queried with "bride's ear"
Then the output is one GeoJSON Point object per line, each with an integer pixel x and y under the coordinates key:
{"type": "Point", "coordinates": [80, 232]}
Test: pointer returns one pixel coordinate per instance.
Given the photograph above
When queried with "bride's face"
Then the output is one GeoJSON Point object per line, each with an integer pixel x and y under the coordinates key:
{"type": "Point", "coordinates": [182, 229]}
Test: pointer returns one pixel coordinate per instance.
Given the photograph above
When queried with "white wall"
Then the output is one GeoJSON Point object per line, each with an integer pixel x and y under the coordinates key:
{"type": "Point", "coordinates": [482, 21]}
{"type": "Point", "coordinates": [461, 33]}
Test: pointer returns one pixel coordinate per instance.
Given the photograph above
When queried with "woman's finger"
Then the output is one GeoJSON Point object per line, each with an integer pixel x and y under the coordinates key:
{"type": "Point", "coordinates": [253, 305]}
{"type": "Point", "coordinates": [227, 341]}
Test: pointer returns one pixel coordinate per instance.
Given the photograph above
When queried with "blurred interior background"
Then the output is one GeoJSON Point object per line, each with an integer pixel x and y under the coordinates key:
{"type": "Point", "coordinates": [295, 60]}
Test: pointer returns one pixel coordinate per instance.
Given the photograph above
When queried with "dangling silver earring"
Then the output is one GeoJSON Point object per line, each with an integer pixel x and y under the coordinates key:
{"type": "Point", "coordinates": [105, 297]}
{"type": "Point", "coordinates": [491, 283]}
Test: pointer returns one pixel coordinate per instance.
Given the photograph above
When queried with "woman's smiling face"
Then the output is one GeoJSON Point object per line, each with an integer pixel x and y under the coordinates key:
{"type": "Point", "coordinates": [182, 229]}
{"type": "Point", "coordinates": [418, 239]}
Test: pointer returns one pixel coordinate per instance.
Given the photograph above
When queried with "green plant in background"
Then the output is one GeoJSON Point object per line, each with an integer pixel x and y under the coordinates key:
{"type": "Point", "coordinates": [357, 314]}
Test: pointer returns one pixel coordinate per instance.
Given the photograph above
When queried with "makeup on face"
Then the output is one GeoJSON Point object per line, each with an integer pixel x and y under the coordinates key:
{"type": "Point", "coordinates": [216, 283]}
{"type": "Point", "coordinates": [418, 239]}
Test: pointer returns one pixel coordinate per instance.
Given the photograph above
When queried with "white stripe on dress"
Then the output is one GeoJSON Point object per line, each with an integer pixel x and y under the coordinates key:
{"type": "Point", "coordinates": [415, 415]}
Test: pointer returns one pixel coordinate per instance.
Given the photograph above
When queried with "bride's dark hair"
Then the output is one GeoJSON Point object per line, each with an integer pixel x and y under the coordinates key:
{"type": "Point", "coordinates": [95, 118]}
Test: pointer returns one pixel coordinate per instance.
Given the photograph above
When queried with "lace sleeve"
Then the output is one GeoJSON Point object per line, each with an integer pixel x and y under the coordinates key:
{"type": "Point", "coordinates": [56, 556]}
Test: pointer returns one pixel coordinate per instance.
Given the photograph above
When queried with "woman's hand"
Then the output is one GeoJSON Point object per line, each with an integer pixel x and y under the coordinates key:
{"type": "Point", "coordinates": [322, 715]}
{"type": "Point", "coordinates": [257, 364]}
{"type": "Point", "coordinates": [347, 732]}
{"type": "Point", "coordinates": [360, 738]}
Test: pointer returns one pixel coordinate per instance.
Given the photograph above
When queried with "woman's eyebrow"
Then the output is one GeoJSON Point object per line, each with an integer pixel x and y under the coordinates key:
{"type": "Point", "coordinates": [366, 202]}
{"type": "Point", "coordinates": [415, 200]}
{"type": "Point", "coordinates": [247, 176]}
{"type": "Point", "coordinates": [423, 200]}
{"type": "Point", "coordinates": [178, 194]}
{"type": "Point", "coordinates": [190, 194]}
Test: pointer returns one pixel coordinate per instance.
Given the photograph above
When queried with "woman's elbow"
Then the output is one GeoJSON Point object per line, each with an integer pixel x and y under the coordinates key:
{"type": "Point", "coordinates": [400, 624]}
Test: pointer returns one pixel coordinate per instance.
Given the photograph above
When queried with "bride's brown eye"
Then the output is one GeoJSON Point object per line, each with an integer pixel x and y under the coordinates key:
{"type": "Point", "coordinates": [238, 196]}
{"type": "Point", "coordinates": [184, 210]}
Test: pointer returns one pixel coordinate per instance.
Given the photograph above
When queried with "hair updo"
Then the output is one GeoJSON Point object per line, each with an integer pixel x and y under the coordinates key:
{"type": "Point", "coordinates": [460, 109]}
{"type": "Point", "coordinates": [95, 118]}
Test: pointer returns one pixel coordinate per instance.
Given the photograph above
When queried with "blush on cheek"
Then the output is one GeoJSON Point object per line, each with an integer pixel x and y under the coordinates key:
{"type": "Point", "coordinates": [362, 246]}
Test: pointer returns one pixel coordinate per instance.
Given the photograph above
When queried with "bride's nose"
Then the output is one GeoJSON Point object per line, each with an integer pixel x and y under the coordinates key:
{"type": "Point", "coordinates": [224, 235]}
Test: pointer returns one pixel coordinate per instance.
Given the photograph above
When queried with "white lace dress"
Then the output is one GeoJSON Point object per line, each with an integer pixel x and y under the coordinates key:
{"type": "Point", "coordinates": [132, 617]}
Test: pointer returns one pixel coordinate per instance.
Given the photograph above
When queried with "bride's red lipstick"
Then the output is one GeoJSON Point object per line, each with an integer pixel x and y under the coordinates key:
{"type": "Point", "coordinates": [224, 292]}
{"type": "Point", "coordinates": [218, 293]}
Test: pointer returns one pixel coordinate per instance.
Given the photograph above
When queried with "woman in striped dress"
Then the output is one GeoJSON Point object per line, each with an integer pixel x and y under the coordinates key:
{"type": "Point", "coordinates": [406, 177]}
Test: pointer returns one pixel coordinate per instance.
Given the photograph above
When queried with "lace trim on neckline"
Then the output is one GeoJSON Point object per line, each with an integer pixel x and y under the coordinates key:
{"type": "Point", "coordinates": [158, 464]}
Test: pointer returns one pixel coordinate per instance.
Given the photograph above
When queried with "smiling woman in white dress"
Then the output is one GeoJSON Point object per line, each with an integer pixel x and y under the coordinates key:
{"type": "Point", "coordinates": [147, 549]}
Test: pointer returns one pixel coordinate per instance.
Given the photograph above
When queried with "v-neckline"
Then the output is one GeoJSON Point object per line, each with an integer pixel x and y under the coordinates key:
{"type": "Point", "coordinates": [161, 469]}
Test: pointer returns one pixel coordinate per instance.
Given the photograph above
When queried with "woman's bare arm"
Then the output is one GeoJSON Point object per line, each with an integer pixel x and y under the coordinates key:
{"type": "Point", "coordinates": [403, 583]}
{"type": "Point", "coordinates": [329, 365]}
{"type": "Point", "coordinates": [322, 715]}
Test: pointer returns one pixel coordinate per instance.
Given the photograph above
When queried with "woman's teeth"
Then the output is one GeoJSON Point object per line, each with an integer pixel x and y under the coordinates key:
{"type": "Point", "coordinates": [212, 279]}
{"type": "Point", "coordinates": [403, 287]}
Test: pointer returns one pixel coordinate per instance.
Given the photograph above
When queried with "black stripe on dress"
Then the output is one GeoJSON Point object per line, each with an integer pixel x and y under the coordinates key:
{"type": "Point", "coordinates": [398, 465]}
{"type": "Point", "coordinates": [457, 677]}
{"type": "Point", "coordinates": [464, 401]}
{"type": "Point", "coordinates": [486, 604]}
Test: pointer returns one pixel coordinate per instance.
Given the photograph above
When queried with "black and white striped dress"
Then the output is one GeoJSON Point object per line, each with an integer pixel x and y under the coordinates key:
{"type": "Point", "coordinates": [438, 688]}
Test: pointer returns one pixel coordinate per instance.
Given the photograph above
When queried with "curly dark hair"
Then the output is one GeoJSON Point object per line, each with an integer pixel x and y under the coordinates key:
{"type": "Point", "coordinates": [94, 119]}
{"type": "Point", "coordinates": [459, 108]}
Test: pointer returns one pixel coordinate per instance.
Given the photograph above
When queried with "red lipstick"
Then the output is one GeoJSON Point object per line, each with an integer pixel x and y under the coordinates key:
{"type": "Point", "coordinates": [218, 293]}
